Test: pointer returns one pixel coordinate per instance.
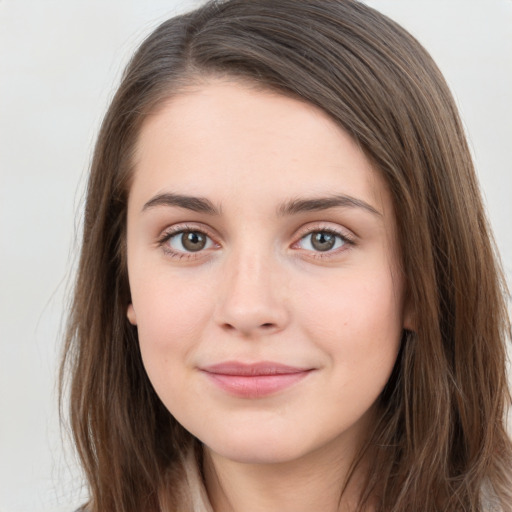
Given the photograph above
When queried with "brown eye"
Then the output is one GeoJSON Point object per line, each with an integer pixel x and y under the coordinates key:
{"type": "Point", "coordinates": [189, 241]}
{"type": "Point", "coordinates": [322, 241]}
{"type": "Point", "coordinates": [193, 241]}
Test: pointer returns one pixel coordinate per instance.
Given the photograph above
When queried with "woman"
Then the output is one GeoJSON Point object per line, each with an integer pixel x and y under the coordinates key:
{"type": "Point", "coordinates": [288, 297]}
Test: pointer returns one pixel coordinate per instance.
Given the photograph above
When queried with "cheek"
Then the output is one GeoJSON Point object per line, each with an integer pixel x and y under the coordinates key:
{"type": "Point", "coordinates": [172, 312]}
{"type": "Point", "coordinates": [358, 327]}
{"type": "Point", "coordinates": [357, 320]}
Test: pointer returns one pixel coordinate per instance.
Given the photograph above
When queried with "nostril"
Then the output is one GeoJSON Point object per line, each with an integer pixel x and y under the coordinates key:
{"type": "Point", "coordinates": [267, 326]}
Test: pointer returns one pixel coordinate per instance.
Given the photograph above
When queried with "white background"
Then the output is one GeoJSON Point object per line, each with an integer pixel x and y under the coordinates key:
{"type": "Point", "coordinates": [59, 64]}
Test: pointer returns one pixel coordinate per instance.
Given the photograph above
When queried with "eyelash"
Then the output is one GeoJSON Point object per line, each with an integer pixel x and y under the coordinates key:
{"type": "Point", "coordinates": [346, 240]}
{"type": "Point", "coordinates": [177, 230]}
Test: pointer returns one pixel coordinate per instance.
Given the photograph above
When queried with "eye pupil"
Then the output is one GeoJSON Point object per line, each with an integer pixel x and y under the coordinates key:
{"type": "Point", "coordinates": [193, 241]}
{"type": "Point", "coordinates": [323, 241]}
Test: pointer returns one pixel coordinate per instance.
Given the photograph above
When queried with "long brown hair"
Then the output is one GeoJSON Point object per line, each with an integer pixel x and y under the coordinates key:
{"type": "Point", "coordinates": [440, 442]}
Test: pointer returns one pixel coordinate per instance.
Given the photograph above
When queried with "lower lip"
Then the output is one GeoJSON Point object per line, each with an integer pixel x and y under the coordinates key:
{"type": "Point", "coordinates": [256, 386]}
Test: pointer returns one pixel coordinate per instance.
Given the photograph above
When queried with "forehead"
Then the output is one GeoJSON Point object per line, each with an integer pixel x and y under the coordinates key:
{"type": "Point", "coordinates": [229, 140]}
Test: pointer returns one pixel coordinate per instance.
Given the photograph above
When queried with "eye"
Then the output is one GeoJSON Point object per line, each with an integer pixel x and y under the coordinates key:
{"type": "Point", "coordinates": [189, 241]}
{"type": "Point", "coordinates": [322, 241]}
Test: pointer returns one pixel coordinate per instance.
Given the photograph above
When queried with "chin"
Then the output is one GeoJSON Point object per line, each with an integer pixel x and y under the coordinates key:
{"type": "Point", "coordinates": [255, 449]}
{"type": "Point", "coordinates": [257, 455]}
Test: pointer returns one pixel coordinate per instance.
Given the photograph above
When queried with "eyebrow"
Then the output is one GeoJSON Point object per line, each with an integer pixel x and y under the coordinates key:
{"type": "Point", "coordinates": [315, 204]}
{"type": "Point", "coordinates": [292, 207]}
{"type": "Point", "coordinates": [196, 204]}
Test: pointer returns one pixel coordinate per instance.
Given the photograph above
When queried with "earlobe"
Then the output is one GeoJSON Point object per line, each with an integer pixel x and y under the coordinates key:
{"type": "Point", "coordinates": [409, 318]}
{"type": "Point", "coordinates": [130, 313]}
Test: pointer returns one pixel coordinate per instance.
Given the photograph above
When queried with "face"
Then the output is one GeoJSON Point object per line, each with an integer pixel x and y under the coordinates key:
{"type": "Point", "coordinates": [263, 272]}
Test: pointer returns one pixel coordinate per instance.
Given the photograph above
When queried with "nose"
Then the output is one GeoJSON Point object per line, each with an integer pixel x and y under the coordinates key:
{"type": "Point", "coordinates": [253, 296]}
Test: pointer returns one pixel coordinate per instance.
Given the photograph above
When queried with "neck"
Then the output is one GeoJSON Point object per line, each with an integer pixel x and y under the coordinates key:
{"type": "Point", "coordinates": [315, 481]}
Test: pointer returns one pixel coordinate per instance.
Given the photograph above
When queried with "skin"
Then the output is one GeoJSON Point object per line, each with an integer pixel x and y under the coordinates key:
{"type": "Point", "coordinates": [261, 291]}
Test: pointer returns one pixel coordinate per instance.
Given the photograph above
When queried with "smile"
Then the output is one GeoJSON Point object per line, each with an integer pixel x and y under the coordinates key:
{"type": "Point", "coordinates": [254, 380]}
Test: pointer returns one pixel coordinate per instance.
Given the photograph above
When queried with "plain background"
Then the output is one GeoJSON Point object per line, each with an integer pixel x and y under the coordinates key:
{"type": "Point", "coordinates": [59, 64]}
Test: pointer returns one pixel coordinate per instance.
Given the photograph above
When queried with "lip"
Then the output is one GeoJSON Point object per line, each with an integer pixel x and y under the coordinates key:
{"type": "Point", "coordinates": [255, 380]}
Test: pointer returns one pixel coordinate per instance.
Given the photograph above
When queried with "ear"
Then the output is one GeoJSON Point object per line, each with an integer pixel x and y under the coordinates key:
{"type": "Point", "coordinates": [409, 317]}
{"type": "Point", "coordinates": [130, 313]}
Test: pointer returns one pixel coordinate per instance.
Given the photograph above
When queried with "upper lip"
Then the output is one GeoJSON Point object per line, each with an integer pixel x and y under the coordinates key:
{"type": "Point", "coordinates": [253, 369]}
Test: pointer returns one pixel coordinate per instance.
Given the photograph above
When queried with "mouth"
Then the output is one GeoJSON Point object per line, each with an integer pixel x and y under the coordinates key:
{"type": "Point", "coordinates": [255, 380]}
